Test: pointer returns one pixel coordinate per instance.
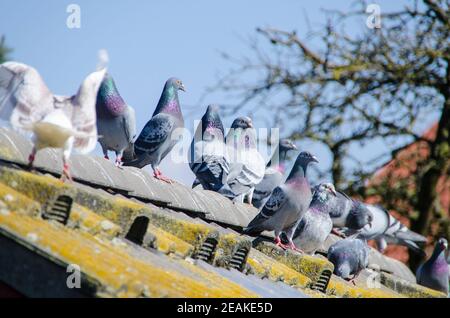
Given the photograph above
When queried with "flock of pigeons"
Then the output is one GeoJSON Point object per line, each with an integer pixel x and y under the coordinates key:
{"type": "Point", "coordinates": [300, 215]}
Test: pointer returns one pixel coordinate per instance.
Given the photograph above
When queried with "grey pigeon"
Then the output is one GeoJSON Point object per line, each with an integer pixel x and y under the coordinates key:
{"type": "Point", "coordinates": [156, 140]}
{"type": "Point", "coordinates": [274, 173]}
{"type": "Point", "coordinates": [386, 229]}
{"type": "Point", "coordinates": [349, 257]}
{"type": "Point", "coordinates": [209, 157]}
{"type": "Point", "coordinates": [287, 204]}
{"type": "Point", "coordinates": [316, 224]}
{"type": "Point", "coordinates": [63, 122]}
{"type": "Point", "coordinates": [116, 121]}
{"type": "Point", "coordinates": [247, 166]}
{"type": "Point", "coordinates": [434, 273]}
{"type": "Point", "coordinates": [348, 213]}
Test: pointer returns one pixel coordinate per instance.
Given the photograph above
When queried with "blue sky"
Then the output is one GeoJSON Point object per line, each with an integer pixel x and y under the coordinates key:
{"type": "Point", "coordinates": [150, 41]}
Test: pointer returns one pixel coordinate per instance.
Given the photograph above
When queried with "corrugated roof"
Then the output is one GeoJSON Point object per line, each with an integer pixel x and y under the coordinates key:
{"type": "Point", "coordinates": [135, 236]}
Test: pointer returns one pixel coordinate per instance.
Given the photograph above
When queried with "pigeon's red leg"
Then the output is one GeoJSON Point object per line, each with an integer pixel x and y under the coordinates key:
{"type": "Point", "coordinates": [158, 175]}
{"type": "Point", "coordinates": [118, 161]}
{"type": "Point", "coordinates": [337, 232]}
{"type": "Point", "coordinates": [106, 157]}
{"type": "Point", "coordinates": [295, 248]}
{"type": "Point", "coordinates": [31, 158]}
{"type": "Point", "coordinates": [66, 173]}
{"type": "Point", "coordinates": [280, 244]}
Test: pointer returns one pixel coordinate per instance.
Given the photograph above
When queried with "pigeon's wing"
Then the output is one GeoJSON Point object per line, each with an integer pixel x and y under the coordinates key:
{"type": "Point", "coordinates": [156, 131]}
{"type": "Point", "coordinates": [84, 118]}
{"type": "Point", "coordinates": [129, 123]}
{"type": "Point", "coordinates": [24, 97]}
{"type": "Point", "coordinates": [272, 179]}
{"type": "Point", "coordinates": [276, 201]}
{"type": "Point", "coordinates": [400, 231]}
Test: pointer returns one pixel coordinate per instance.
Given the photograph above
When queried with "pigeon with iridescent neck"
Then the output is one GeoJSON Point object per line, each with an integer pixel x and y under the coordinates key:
{"type": "Point", "coordinates": [287, 204]}
{"type": "Point", "coordinates": [316, 224]}
{"type": "Point", "coordinates": [156, 139]}
{"type": "Point", "coordinates": [63, 122]}
{"type": "Point", "coordinates": [348, 213]}
{"type": "Point", "coordinates": [274, 174]}
{"type": "Point", "coordinates": [434, 273]}
{"type": "Point", "coordinates": [208, 153]}
{"type": "Point", "coordinates": [386, 229]}
{"type": "Point", "coordinates": [116, 121]}
{"type": "Point", "coordinates": [247, 166]}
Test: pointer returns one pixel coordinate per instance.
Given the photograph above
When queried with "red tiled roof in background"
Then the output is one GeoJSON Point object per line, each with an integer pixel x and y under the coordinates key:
{"type": "Point", "coordinates": [393, 170]}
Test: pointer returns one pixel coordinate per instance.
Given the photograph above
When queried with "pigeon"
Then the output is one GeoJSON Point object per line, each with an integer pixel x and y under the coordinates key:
{"type": "Point", "coordinates": [209, 157]}
{"type": "Point", "coordinates": [55, 121]}
{"type": "Point", "coordinates": [116, 121]}
{"type": "Point", "coordinates": [247, 166]}
{"type": "Point", "coordinates": [273, 176]}
{"type": "Point", "coordinates": [386, 229]}
{"type": "Point", "coordinates": [156, 140]}
{"type": "Point", "coordinates": [287, 204]}
{"type": "Point", "coordinates": [349, 257]}
{"type": "Point", "coordinates": [348, 213]}
{"type": "Point", "coordinates": [434, 273]}
{"type": "Point", "coordinates": [316, 224]}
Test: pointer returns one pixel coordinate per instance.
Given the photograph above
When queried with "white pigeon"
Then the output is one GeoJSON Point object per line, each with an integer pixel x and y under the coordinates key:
{"type": "Point", "coordinates": [247, 166]}
{"type": "Point", "coordinates": [55, 121]}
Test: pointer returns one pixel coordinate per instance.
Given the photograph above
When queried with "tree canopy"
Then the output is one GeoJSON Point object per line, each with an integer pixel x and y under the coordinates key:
{"type": "Point", "coordinates": [346, 88]}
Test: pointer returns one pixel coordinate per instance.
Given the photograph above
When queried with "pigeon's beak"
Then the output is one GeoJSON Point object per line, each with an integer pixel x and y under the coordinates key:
{"type": "Point", "coordinates": [314, 159]}
{"type": "Point", "coordinates": [182, 88]}
{"type": "Point", "coordinates": [250, 125]}
{"type": "Point", "coordinates": [294, 147]}
{"type": "Point", "coordinates": [333, 192]}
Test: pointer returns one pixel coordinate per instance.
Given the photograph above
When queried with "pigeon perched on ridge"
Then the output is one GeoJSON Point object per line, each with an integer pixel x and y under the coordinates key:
{"type": "Point", "coordinates": [116, 121]}
{"type": "Point", "coordinates": [386, 229]}
{"type": "Point", "coordinates": [316, 224]}
{"type": "Point", "coordinates": [348, 213]}
{"type": "Point", "coordinates": [274, 174]}
{"type": "Point", "coordinates": [434, 273]}
{"type": "Point", "coordinates": [155, 140]}
{"type": "Point", "coordinates": [247, 166]}
{"type": "Point", "coordinates": [349, 257]}
{"type": "Point", "coordinates": [55, 121]}
{"type": "Point", "coordinates": [287, 204]}
{"type": "Point", "coordinates": [209, 156]}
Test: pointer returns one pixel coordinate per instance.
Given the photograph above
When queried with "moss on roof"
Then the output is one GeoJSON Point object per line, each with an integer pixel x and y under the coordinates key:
{"type": "Point", "coordinates": [94, 238]}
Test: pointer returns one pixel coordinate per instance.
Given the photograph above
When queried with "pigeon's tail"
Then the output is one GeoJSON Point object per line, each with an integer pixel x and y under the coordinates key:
{"type": "Point", "coordinates": [413, 247]}
{"type": "Point", "coordinates": [196, 183]}
{"type": "Point", "coordinates": [408, 235]}
{"type": "Point", "coordinates": [128, 153]}
{"type": "Point", "coordinates": [139, 162]}
{"type": "Point", "coordinates": [227, 192]}
{"type": "Point", "coordinates": [252, 231]}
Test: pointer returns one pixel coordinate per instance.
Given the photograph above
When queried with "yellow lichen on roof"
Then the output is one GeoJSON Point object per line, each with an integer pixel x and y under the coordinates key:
{"type": "Point", "coordinates": [113, 267]}
{"type": "Point", "coordinates": [310, 266]}
{"type": "Point", "coordinates": [169, 243]}
{"type": "Point", "coordinates": [409, 289]}
{"type": "Point", "coordinates": [14, 200]}
{"type": "Point", "coordinates": [339, 288]}
{"type": "Point", "coordinates": [86, 220]}
{"type": "Point", "coordinates": [265, 266]}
